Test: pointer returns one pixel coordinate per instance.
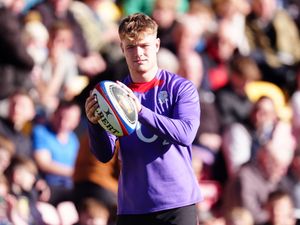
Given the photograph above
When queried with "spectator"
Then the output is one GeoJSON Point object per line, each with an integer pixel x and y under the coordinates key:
{"type": "Point", "coordinates": [233, 13]}
{"type": "Point", "coordinates": [100, 33]}
{"type": "Point", "coordinates": [20, 114]}
{"type": "Point", "coordinates": [274, 42]}
{"type": "Point", "coordinates": [219, 50]}
{"type": "Point", "coordinates": [239, 216]}
{"type": "Point", "coordinates": [55, 150]}
{"type": "Point", "coordinates": [242, 141]}
{"type": "Point", "coordinates": [22, 174]}
{"type": "Point", "coordinates": [60, 69]}
{"type": "Point", "coordinates": [264, 119]}
{"type": "Point", "coordinates": [13, 49]}
{"type": "Point", "coordinates": [35, 36]}
{"type": "Point", "coordinates": [186, 37]}
{"type": "Point", "coordinates": [182, 32]}
{"type": "Point", "coordinates": [232, 101]}
{"type": "Point", "coordinates": [9, 212]}
{"type": "Point", "coordinates": [92, 212]}
{"type": "Point", "coordinates": [257, 179]}
{"type": "Point", "coordinates": [207, 20]}
{"type": "Point", "coordinates": [281, 209]}
{"type": "Point", "coordinates": [165, 14]}
{"type": "Point", "coordinates": [89, 63]}
{"type": "Point", "coordinates": [187, 34]}
{"type": "Point", "coordinates": [15, 63]}
{"type": "Point", "coordinates": [257, 89]}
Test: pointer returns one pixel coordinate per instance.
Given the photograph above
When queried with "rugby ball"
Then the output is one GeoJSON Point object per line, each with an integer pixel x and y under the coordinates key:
{"type": "Point", "coordinates": [117, 111]}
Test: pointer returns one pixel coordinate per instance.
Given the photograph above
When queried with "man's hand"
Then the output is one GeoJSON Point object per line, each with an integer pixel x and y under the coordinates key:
{"type": "Point", "coordinates": [131, 95]}
{"type": "Point", "coordinates": [91, 105]}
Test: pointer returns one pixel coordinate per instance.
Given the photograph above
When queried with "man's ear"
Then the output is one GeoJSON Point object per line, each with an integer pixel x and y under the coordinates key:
{"type": "Point", "coordinates": [157, 44]}
{"type": "Point", "coordinates": [122, 47]}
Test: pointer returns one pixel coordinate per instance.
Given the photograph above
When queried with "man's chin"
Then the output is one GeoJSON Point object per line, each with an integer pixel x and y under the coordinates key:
{"type": "Point", "coordinates": [141, 69]}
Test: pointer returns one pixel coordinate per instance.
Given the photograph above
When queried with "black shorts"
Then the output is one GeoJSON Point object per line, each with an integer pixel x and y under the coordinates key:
{"type": "Point", "coordinates": [186, 215]}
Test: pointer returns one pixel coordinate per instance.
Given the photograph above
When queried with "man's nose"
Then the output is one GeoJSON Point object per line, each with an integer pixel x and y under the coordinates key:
{"type": "Point", "coordinates": [139, 50]}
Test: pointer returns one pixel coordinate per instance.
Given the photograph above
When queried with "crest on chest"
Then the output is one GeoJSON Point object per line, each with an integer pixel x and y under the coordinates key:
{"type": "Point", "coordinates": [163, 97]}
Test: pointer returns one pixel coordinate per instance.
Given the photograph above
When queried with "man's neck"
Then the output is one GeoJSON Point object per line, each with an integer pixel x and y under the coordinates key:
{"type": "Point", "coordinates": [143, 77]}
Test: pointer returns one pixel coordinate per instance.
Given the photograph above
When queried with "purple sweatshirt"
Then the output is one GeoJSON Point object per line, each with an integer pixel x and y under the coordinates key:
{"type": "Point", "coordinates": [156, 166]}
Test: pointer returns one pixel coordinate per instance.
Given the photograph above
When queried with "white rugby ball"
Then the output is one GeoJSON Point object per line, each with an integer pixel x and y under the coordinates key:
{"type": "Point", "coordinates": [117, 112]}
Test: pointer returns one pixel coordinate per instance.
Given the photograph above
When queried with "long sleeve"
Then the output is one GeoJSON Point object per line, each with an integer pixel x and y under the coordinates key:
{"type": "Point", "coordinates": [102, 143]}
{"type": "Point", "coordinates": [182, 126]}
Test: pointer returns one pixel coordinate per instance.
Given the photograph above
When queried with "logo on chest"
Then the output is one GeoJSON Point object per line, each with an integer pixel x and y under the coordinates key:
{"type": "Point", "coordinates": [163, 97]}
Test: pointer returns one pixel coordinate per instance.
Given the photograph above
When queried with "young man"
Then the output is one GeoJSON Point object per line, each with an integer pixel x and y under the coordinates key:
{"type": "Point", "coordinates": [55, 148]}
{"type": "Point", "coordinates": [157, 184]}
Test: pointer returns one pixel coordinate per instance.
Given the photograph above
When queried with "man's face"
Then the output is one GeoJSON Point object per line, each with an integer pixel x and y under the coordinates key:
{"type": "Point", "coordinates": [61, 41]}
{"type": "Point", "coordinates": [282, 212]}
{"type": "Point", "coordinates": [141, 54]}
{"type": "Point", "coordinates": [21, 109]}
{"type": "Point", "coordinates": [275, 168]}
{"type": "Point", "coordinates": [265, 114]}
{"type": "Point", "coordinates": [24, 177]}
{"type": "Point", "coordinates": [67, 119]}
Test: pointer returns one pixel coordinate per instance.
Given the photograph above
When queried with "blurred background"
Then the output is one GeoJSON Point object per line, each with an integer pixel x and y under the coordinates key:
{"type": "Point", "coordinates": [242, 55]}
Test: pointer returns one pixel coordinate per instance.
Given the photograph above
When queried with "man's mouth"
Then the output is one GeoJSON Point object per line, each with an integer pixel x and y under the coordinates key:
{"type": "Point", "coordinates": [139, 61]}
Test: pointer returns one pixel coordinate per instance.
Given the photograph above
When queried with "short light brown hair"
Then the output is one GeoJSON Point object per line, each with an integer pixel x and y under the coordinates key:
{"type": "Point", "coordinates": [135, 25]}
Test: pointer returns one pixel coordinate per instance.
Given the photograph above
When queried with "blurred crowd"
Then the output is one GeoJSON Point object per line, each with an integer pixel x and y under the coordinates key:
{"type": "Point", "coordinates": [242, 55]}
